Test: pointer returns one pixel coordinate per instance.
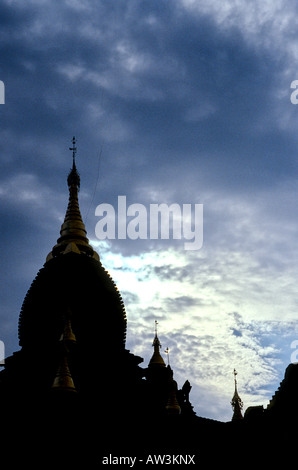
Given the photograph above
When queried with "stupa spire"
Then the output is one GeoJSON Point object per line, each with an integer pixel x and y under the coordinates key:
{"type": "Point", "coordinates": [73, 234]}
{"type": "Point", "coordinates": [236, 402]}
{"type": "Point", "coordinates": [156, 359]}
{"type": "Point", "coordinates": [172, 406]}
{"type": "Point", "coordinates": [63, 380]}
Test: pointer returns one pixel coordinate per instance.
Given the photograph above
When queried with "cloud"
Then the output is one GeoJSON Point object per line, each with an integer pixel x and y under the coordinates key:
{"type": "Point", "coordinates": [255, 21]}
{"type": "Point", "coordinates": [205, 338]}
{"type": "Point", "coordinates": [231, 304]}
{"type": "Point", "coordinates": [25, 190]}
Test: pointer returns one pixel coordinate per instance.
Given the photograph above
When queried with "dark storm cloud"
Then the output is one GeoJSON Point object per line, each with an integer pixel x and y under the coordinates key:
{"type": "Point", "coordinates": [176, 83]}
{"type": "Point", "coordinates": [181, 303]}
{"type": "Point", "coordinates": [172, 272]}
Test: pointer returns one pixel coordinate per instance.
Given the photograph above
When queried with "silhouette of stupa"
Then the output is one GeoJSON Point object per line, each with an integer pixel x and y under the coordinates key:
{"type": "Point", "coordinates": [73, 395]}
{"type": "Point", "coordinates": [73, 375]}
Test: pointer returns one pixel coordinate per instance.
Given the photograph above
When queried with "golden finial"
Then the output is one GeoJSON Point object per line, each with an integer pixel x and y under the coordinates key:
{"type": "Point", "coordinates": [73, 149]}
{"type": "Point", "coordinates": [156, 340]}
{"type": "Point", "coordinates": [73, 178]}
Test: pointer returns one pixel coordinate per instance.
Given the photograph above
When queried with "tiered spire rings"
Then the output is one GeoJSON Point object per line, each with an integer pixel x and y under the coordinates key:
{"type": "Point", "coordinates": [73, 234]}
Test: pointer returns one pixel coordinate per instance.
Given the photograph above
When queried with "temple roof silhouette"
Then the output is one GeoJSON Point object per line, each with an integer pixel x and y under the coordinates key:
{"type": "Point", "coordinates": [83, 395]}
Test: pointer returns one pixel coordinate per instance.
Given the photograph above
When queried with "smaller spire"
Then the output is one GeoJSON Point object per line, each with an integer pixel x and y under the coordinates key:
{"type": "Point", "coordinates": [237, 403]}
{"type": "Point", "coordinates": [172, 406]}
{"type": "Point", "coordinates": [63, 380]}
{"type": "Point", "coordinates": [68, 335]}
{"type": "Point", "coordinates": [156, 359]}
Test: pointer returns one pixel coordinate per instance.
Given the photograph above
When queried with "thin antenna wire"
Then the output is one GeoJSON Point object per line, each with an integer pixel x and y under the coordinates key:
{"type": "Point", "coordinates": [98, 163]}
{"type": "Point", "coordinates": [95, 188]}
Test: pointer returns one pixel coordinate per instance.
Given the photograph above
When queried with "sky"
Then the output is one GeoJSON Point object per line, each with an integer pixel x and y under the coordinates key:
{"type": "Point", "coordinates": [171, 102]}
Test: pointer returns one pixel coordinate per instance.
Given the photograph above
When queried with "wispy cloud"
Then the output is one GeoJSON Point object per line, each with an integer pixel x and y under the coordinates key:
{"type": "Point", "coordinates": [216, 312]}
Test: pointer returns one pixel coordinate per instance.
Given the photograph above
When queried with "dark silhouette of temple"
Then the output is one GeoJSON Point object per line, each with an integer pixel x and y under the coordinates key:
{"type": "Point", "coordinates": [73, 394]}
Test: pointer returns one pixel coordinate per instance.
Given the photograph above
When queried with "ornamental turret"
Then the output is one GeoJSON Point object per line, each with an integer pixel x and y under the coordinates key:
{"type": "Point", "coordinates": [156, 359]}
